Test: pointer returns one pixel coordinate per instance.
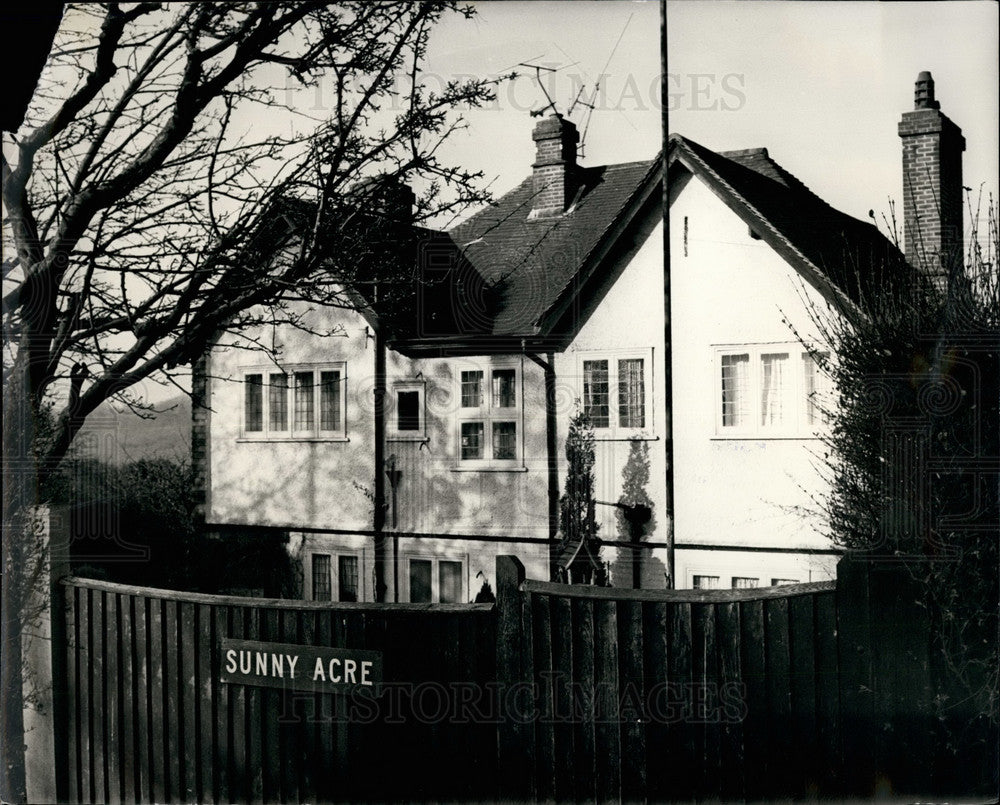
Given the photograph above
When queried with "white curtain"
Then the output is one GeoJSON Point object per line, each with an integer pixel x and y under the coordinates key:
{"type": "Point", "coordinates": [773, 388]}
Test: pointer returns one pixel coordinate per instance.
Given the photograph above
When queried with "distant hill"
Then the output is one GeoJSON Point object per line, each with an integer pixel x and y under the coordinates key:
{"type": "Point", "coordinates": [116, 434]}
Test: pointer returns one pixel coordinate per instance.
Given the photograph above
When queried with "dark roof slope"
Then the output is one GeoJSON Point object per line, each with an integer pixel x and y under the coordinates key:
{"type": "Point", "coordinates": [529, 262]}
{"type": "Point", "coordinates": [814, 237]}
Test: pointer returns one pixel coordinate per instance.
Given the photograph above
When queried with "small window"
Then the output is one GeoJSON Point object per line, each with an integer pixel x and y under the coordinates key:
{"type": "Point", "coordinates": [304, 401]}
{"type": "Point", "coordinates": [505, 441]}
{"type": "Point", "coordinates": [705, 582]}
{"type": "Point", "coordinates": [472, 389]}
{"type": "Point", "coordinates": [596, 405]}
{"type": "Point", "coordinates": [504, 393]}
{"type": "Point", "coordinates": [735, 390]}
{"type": "Point", "coordinates": [631, 394]}
{"type": "Point", "coordinates": [488, 418]}
{"type": "Point", "coordinates": [472, 440]}
{"type": "Point", "coordinates": [817, 388]}
{"type": "Point", "coordinates": [616, 393]}
{"type": "Point", "coordinates": [775, 384]}
{"type": "Point", "coordinates": [420, 581]}
{"type": "Point", "coordinates": [436, 581]}
{"type": "Point", "coordinates": [406, 419]}
{"type": "Point", "coordinates": [745, 582]}
{"type": "Point", "coordinates": [347, 578]}
{"type": "Point", "coordinates": [783, 582]}
{"type": "Point", "coordinates": [277, 401]}
{"type": "Point", "coordinates": [321, 577]}
{"type": "Point", "coordinates": [330, 402]}
{"type": "Point", "coordinates": [449, 582]}
{"type": "Point", "coordinates": [407, 411]}
{"type": "Point", "coordinates": [253, 412]}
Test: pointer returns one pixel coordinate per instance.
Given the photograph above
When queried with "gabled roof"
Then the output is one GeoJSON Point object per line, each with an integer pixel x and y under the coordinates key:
{"type": "Point", "coordinates": [840, 255]}
{"type": "Point", "coordinates": [531, 267]}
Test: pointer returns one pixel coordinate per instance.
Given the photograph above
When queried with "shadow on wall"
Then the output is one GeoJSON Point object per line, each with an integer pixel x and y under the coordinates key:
{"type": "Point", "coordinates": [635, 500]}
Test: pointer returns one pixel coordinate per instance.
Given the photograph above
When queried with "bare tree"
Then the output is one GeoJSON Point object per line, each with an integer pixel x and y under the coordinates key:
{"type": "Point", "coordinates": [163, 161]}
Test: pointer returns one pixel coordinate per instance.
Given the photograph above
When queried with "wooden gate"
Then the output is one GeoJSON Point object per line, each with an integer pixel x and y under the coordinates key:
{"type": "Point", "coordinates": [149, 720]}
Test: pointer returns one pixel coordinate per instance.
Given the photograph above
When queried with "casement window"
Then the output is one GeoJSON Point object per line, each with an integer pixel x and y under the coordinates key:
{"type": "Point", "coordinates": [435, 581]}
{"type": "Point", "coordinates": [321, 588]}
{"type": "Point", "coordinates": [705, 582]}
{"type": "Point", "coordinates": [769, 390]}
{"type": "Point", "coordinates": [616, 393]}
{"type": "Point", "coordinates": [489, 418]}
{"type": "Point", "coordinates": [346, 578]}
{"type": "Point", "coordinates": [407, 416]}
{"type": "Point", "coordinates": [299, 403]}
{"type": "Point", "coordinates": [745, 582]}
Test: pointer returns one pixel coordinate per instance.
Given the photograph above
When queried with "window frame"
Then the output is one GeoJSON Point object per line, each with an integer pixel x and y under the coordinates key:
{"type": "Point", "coordinates": [393, 433]}
{"type": "Point", "coordinates": [615, 431]}
{"type": "Point", "coordinates": [334, 580]}
{"type": "Point", "coordinates": [435, 560]}
{"type": "Point", "coordinates": [489, 415]}
{"type": "Point", "coordinates": [290, 433]}
{"type": "Point", "coordinates": [796, 424]}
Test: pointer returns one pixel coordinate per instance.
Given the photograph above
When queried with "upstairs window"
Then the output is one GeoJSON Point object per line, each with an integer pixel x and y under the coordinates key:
{"type": "Point", "coordinates": [406, 420]}
{"type": "Point", "coordinates": [767, 391]}
{"type": "Point", "coordinates": [301, 403]}
{"type": "Point", "coordinates": [489, 418]}
{"type": "Point", "coordinates": [616, 393]}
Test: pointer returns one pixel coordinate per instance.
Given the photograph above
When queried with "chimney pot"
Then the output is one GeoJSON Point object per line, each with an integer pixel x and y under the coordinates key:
{"type": "Point", "coordinates": [923, 92]}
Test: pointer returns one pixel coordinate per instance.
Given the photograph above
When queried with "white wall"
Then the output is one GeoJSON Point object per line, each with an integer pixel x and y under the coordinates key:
{"type": "Point", "coordinates": [728, 288]}
{"type": "Point", "coordinates": [317, 484]}
{"type": "Point", "coordinates": [294, 483]}
{"type": "Point", "coordinates": [629, 322]}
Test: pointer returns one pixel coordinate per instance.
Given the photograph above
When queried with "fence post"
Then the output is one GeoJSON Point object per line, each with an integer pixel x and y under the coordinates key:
{"type": "Point", "coordinates": [513, 763]}
{"type": "Point", "coordinates": [44, 647]}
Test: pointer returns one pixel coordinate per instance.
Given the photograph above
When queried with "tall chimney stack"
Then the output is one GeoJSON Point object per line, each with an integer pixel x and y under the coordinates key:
{"type": "Point", "coordinates": [932, 186]}
{"type": "Point", "coordinates": [554, 177]}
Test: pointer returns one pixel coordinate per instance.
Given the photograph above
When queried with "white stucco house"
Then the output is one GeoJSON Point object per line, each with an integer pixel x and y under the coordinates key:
{"type": "Point", "coordinates": [557, 296]}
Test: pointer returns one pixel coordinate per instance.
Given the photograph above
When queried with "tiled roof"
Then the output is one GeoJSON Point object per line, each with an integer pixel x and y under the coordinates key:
{"type": "Point", "coordinates": [851, 254]}
{"type": "Point", "coordinates": [529, 262]}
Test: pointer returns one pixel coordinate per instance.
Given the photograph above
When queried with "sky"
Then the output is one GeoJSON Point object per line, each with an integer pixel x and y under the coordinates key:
{"type": "Point", "coordinates": [822, 85]}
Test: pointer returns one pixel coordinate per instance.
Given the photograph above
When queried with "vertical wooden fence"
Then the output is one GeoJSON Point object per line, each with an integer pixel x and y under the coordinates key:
{"type": "Point", "coordinates": [668, 695]}
{"type": "Point", "coordinates": [149, 720]}
{"type": "Point", "coordinates": [557, 693]}
{"type": "Point", "coordinates": [821, 690]}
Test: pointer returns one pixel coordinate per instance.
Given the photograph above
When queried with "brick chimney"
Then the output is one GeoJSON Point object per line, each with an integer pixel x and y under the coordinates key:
{"type": "Point", "coordinates": [932, 185]}
{"type": "Point", "coordinates": [554, 177]}
{"type": "Point", "coordinates": [386, 196]}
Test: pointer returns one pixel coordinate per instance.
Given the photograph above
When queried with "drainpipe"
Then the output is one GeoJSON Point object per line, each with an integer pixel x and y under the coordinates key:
{"type": "Point", "coordinates": [394, 475]}
{"type": "Point", "coordinates": [378, 516]}
{"type": "Point", "coordinates": [548, 366]}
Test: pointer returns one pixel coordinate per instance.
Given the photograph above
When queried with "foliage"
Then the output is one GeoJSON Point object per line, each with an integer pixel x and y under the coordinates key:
{"type": "Point", "coordinates": [134, 523]}
{"type": "Point", "coordinates": [916, 425]}
{"type": "Point", "coordinates": [168, 153]}
{"type": "Point", "coordinates": [169, 183]}
{"type": "Point", "coordinates": [577, 523]}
